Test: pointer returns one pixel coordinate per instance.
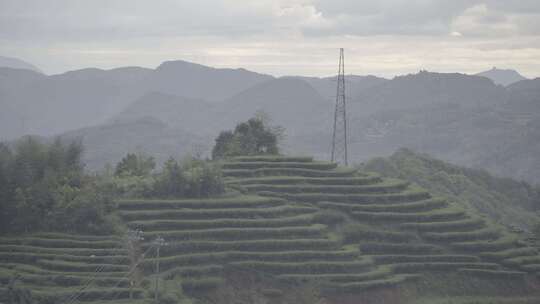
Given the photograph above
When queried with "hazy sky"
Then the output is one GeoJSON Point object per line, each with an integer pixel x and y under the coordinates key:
{"type": "Point", "coordinates": [300, 37]}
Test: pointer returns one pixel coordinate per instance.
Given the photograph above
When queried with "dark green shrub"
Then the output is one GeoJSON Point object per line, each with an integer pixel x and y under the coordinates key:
{"type": "Point", "coordinates": [44, 188]}
{"type": "Point", "coordinates": [482, 234]}
{"type": "Point", "coordinates": [357, 232]}
{"type": "Point", "coordinates": [493, 274]}
{"type": "Point", "coordinates": [191, 178]}
{"type": "Point", "coordinates": [304, 267]}
{"type": "Point", "coordinates": [200, 285]}
{"type": "Point", "coordinates": [339, 172]}
{"type": "Point", "coordinates": [253, 137]}
{"type": "Point", "coordinates": [135, 165]}
{"type": "Point", "coordinates": [298, 220]}
{"type": "Point", "coordinates": [486, 245]}
{"type": "Point", "coordinates": [216, 213]}
{"type": "Point", "coordinates": [273, 158]}
{"type": "Point", "coordinates": [250, 245]}
{"type": "Point", "coordinates": [400, 248]}
{"type": "Point", "coordinates": [442, 266]}
{"type": "Point", "coordinates": [241, 233]}
{"type": "Point", "coordinates": [279, 165]}
{"type": "Point", "coordinates": [329, 217]}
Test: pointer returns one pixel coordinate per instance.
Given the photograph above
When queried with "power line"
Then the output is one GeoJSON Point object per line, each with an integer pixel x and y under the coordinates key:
{"type": "Point", "coordinates": [132, 236]}
{"type": "Point", "coordinates": [74, 297]}
{"type": "Point", "coordinates": [339, 136]}
{"type": "Point", "coordinates": [130, 272]}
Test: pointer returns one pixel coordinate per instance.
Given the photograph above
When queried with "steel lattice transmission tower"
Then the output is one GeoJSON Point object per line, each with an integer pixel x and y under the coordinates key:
{"type": "Point", "coordinates": [339, 137]}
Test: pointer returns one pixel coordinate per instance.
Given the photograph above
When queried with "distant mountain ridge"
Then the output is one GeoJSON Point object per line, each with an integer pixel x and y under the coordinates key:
{"type": "Point", "coordinates": [193, 80]}
{"type": "Point", "coordinates": [424, 89]}
{"type": "Point", "coordinates": [106, 144]}
{"type": "Point", "coordinates": [15, 63]}
{"type": "Point", "coordinates": [465, 119]}
{"type": "Point", "coordinates": [503, 77]}
{"type": "Point", "coordinates": [91, 96]}
{"type": "Point", "coordinates": [476, 124]}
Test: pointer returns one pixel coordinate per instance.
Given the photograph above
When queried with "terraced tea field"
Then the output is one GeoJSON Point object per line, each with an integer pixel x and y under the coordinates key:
{"type": "Point", "coordinates": [267, 234]}
{"type": "Point", "coordinates": [291, 219]}
{"type": "Point", "coordinates": [63, 268]}
{"type": "Point", "coordinates": [404, 230]}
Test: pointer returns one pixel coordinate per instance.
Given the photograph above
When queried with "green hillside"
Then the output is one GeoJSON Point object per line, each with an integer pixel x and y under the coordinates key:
{"type": "Point", "coordinates": [292, 222]}
{"type": "Point", "coordinates": [507, 201]}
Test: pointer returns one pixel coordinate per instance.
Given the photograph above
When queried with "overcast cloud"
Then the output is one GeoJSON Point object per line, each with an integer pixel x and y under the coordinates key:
{"type": "Point", "coordinates": [386, 37]}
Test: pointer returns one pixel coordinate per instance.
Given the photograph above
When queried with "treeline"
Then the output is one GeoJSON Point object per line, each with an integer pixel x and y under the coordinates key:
{"type": "Point", "coordinates": [43, 187]}
{"type": "Point", "coordinates": [135, 176]}
{"type": "Point", "coordinates": [253, 137]}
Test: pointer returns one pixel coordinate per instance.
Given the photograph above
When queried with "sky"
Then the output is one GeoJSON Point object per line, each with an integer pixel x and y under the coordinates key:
{"type": "Point", "coordinates": [278, 37]}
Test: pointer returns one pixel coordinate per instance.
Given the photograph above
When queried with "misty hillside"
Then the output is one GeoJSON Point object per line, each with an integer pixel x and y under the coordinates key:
{"type": "Point", "coordinates": [290, 102]}
{"type": "Point", "coordinates": [464, 119]}
{"type": "Point", "coordinates": [49, 105]}
{"type": "Point", "coordinates": [191, 115]}
{"type": "Point", "coordinates": [107, 144]}
{"type": "Point", "coordinates": [15, 63]}
{"type": "Point", "coordinates": [426, 88]}
{"type": "Point", "coordinates": [502, 76]}
{"type": "Point", "coordinates": [524, 96]}
{"type": "Point", "coordinates": [53, 104]}
{"type": "Point", "coordinates": [326, 86]}
{"type": "Point", "coordinates": [468, 120]}
{"type": "Point", "coordinates": [499, 139]}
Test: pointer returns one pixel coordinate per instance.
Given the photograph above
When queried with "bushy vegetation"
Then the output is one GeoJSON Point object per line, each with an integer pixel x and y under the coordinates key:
{"type": "Point", "coordinates": [134, 177]}
{"type": "Point", "coordinates": [43, 187]}
{"type": "Point", "coordinates": [253, 137]}
{"type": "Point", "coordinates": [192, 178]}
{"type": "Point", "coordinates": [403, 232]}
{"type": "Point", "coordinates": [135, 165]}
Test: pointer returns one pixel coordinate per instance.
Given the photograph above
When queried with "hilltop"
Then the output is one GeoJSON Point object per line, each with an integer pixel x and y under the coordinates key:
{"type": "Point", "coordinates": [290, 230]}
{"type": "Point", "coordinates": [509, 202]}
{"type": "Point", "coordinates": [15, 63]}
{"type": "Point", "coordinates": [502, 76]}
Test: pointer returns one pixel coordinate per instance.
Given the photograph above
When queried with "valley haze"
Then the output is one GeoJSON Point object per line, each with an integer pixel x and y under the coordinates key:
{"type": "Point", "coordinates": [466, 119]}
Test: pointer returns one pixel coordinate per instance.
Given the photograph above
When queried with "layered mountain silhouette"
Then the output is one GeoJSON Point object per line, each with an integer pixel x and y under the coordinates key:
{"type": "Point", "coordinates": [106, 144]}
{"type": "Point", "coordinates": [503, 77]}
{"type": "Point", "coordinates": [192, 80]}
{"type": "Point", "coordinates": [48, 105]}
{"type": "Point", "coordinates": [475, 124]}
{"type": "Point", "coordinates": [15, 63]}
{"type": "Point", "coordinates": [466, 119]}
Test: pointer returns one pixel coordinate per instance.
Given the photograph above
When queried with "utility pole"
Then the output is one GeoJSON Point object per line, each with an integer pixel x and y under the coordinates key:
{"type": "Point", "coordinates": [158, 242]}
{"type": "Point", "coordinates": [133, 239]}
{"type": "Point", "coordinates": [339, 137]}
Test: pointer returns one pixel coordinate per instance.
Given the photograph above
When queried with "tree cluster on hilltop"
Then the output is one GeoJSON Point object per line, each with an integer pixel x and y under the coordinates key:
{"type": "Point", "coordinates": [253, 137]}
{"type": "Point", "coordinates": [134, 176]}
{"type": "Point", "coordinates": [43, 186]}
